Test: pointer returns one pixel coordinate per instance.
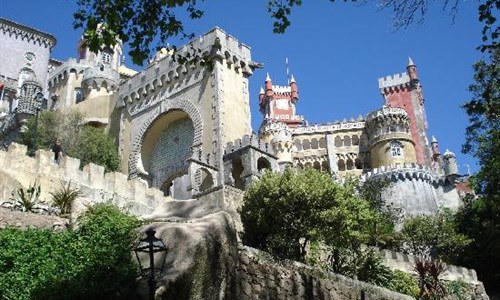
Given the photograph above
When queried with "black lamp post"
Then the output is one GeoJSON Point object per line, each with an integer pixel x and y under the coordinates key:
{"type": "Point", "coordinates": [151, 253]}
{"type": "Point", "coordinates": [38, 107]}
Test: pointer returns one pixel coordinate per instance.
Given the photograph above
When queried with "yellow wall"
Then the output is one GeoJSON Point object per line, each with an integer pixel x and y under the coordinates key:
{"type": "Point", "coordinates": [381, 151]}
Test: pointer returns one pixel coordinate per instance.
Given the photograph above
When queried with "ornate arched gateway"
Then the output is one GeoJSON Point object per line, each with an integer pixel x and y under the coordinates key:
{"type": "Point", "coordinates": [176, 119]}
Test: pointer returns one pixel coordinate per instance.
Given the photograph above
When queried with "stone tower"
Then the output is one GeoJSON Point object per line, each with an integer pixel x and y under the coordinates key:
{"type": "Point", "coordinates": [450, 165]}
{"type": "Point", "coordinates": [175, 119]}
{"type": "Point", "coordinates": [277, 103]}
{"type": "Point", "coordinates": [389, 137]}
{"type": "Point", "coordinates": [404, 91]}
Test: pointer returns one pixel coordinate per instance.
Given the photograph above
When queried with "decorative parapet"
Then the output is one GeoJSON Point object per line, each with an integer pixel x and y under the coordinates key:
{"type": "Point", "coordinates": [101, 77]}
{"type": "Point", "coordinates": [387, 121]}
{"type": "Point", "coordinates": [387, 112]}
{"type": "Point", "coordinates": [323, 128]}
{"type": "Point", "coordinates": [61, 72]}
{"type": "Point", "coordinates": [406, 263]}
{"type": "Point", "coordinates": [30, 34]}
{"type": "Point", "coordinates": [248, 141]}
{"type": "Point", "coordinates": [167, 71]}
{"type": "Point", "coordinates": [206, 159]}
{"type": "Point", "coordinates": [395, 81]}
{"type": "Point", "coordinates": [409, 171]}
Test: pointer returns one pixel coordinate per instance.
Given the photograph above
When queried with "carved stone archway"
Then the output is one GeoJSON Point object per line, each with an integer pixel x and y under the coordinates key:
{"type": "Point", "coordinates": [136, 166]}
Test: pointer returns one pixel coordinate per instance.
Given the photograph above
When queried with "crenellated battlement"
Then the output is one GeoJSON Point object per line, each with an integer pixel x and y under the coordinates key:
{"type": "Point", "coordinates": [169, 72]}
{"type": "Point", "coordinates": [393, 81]}
{"type": "Point", "coordinates": [95, 185]}
{"type": "Point", "coordinates": [101, 77]}
{"type": "Point", "coordinates": [337, 126]}
{"type": "Point", "coordinates": [405, 171]}
{"type": "Point", "coordinates": [248, 141]}
{"type": "Point", "coordinates": [406, 263]}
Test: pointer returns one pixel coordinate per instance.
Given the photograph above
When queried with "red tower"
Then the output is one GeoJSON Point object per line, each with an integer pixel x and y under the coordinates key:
{"type": "Point", "coordinates": [277, 103]}
{"type": "Point", "coordinates": [404, 90]}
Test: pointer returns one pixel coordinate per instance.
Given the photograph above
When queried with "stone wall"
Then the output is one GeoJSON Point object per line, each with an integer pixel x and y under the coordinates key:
{"type": "Point", "coordinates": [19, 170]}
{"type": "Point", "coordinates": [262, 278]}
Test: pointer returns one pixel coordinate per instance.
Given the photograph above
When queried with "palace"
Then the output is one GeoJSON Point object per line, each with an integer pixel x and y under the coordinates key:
{"type": "Point", "coordinates": [186, 130]}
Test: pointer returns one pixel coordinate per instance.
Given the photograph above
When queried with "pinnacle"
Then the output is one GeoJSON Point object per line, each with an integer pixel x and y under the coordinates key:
{"type": "Point", "coordinates": [434, 140]}
{"type": "Point", "coordinates": [268, 78]}
{"type": "Point", "coordinates": [410, 62]}
{"type": "Point", "coordinates": [292, 80]}
{"type": "Point", "coordinates": [261, 90]}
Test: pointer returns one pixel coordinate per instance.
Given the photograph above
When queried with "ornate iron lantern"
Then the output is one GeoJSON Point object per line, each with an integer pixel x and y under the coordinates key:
{"type": "Point", "coordinates": [151, 253]}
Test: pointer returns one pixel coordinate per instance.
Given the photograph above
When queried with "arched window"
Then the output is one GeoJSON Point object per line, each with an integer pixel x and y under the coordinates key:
{"type": "Point", "coordinates": [341, 165]}
{"type": "Point", "coordinates": [325, 167]}
{"type": "Point", "coordinates": [358, 163]}
{"type": "Point", "coordinates": [262, 164]}
{"type": "Point", "coordinates": [396, 149]}
{"type": "Point", "coordinates": [338, 141]}
{"type": "Point", "coordinates": [298, 145]}
{"type": "Point", "coordinates": [347, 140]}
{"type": "Point", "coordinates": [350, 164]}
{"type": "Point", "coordinates": [314, 143]}
{"type": "Point", "coordinates": [322, 142]}
{"type": "Point", "coordinates": [306, 145]}
{"type": "Point", "coordinates": [355, 140]}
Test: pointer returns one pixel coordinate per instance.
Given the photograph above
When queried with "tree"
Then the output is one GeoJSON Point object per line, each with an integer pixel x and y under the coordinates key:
{"type": "Point", "coordinates": [434, 236]}
{"type": "Point", "coordinates": [285, 212]}
{"type": "Point", "coordinates": [91, 262]}
{"type": "Point", "coordinates": [142, 23]}
{"type": "Point", "coordinates": [89, 144]}
{"type": "Point", "coordinates": [480, 218]}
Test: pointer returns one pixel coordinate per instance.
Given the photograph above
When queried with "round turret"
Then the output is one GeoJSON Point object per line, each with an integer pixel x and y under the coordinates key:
{"type": "Point", "coordinates": [450, 164]}
{"type": "Point", "coordinates": [389, 137]}
{"type": "Point", "coordinates": [280, 137]}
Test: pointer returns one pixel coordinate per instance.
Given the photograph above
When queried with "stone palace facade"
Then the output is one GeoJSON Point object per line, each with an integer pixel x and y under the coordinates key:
{"type": "Point", "coordinates": [186, 130]}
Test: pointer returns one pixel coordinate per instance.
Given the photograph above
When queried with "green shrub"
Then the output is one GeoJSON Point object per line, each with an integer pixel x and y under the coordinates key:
{"type": "Point", "coordinates": [92, 262]}
{"type": "Point", "coordinates": [403, 283]}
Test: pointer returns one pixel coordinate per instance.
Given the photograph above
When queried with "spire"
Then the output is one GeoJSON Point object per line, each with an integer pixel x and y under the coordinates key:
{"type": "Point", "coordinates": [268, 78]}
{"type": "Point", "coordinates": [261, 91]}
{"type": "Point", "coordinates": [434, 139]}
{"type": "Point", "coordinates": [292, 80]}
{"type": "Point", "coordinates": [410, 62]}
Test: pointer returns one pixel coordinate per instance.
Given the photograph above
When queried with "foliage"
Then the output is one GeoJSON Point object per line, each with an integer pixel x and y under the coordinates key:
{"type": "Point", "coordinates": [428, 271]}
{"type": "Point", "coordinates": [64, 197]}
{"type": "Point", "coordinates": [434, 236]}
{"type": "Point", "coordinates": [363, 264]}
{"type": "Point", "coordinates": [147, 25]}
{"type": "Point", "coordinates": [93, 262]}
{"type": "Point", "coordinates": [403, 283]}
{"type": "Point", "coordinates": [26, 200]}
{"type": "Point", "coordinates": [97, 147]}
{"type": "Point", "coordinates": [52, 125]}
{"type": "Point", "coordinates": [284, 213]}
{"type": "Point", "coordinates": [86, 143]}
{"type": "Point", "coordinates": [458, 288]}
{"type": "Point", "coordinates": [480, 218]}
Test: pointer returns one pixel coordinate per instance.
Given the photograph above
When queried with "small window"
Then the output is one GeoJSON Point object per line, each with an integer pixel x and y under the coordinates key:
{"type": "Point", "coordinates": [396, 149]}
{"type": "Point", "coordinates": [106, 56]}
{"type": "Point", "coordinates": [78, 95]}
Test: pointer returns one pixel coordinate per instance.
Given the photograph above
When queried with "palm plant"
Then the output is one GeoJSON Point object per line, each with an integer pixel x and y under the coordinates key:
{"type": "Point", "coordinates": [64, 197]}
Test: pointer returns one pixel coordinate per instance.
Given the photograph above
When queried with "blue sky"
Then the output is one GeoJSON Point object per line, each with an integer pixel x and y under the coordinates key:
{"type": "Point", "coordinates": [336, 51]}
